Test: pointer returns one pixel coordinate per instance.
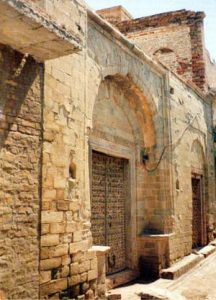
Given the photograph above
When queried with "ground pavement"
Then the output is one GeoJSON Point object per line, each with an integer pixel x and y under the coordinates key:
{"type": "Point", "coordinates": [197, 284]}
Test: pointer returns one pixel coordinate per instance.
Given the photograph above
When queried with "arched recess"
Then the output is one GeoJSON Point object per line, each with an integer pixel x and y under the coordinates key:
{"type": "Point", "coordinates": [140, 104]}
{"type": "Point", "coordinates": [199, 195]}
{"type": "Point", "coordinates": [168, 57]}
{"type": "Point", "coordinates": [122, 126]}
{"type": "Point", "coordinates": [197, 157]}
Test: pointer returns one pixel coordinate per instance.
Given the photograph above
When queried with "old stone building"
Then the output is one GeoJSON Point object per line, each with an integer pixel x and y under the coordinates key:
{"type": "Point", "coordinates": [106, 146]}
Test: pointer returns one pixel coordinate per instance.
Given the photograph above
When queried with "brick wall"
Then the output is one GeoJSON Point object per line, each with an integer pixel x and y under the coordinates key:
{"type": "Point", "coordinates": [179, 32]}
{"type": "Point", "coordinates": [21, 95]}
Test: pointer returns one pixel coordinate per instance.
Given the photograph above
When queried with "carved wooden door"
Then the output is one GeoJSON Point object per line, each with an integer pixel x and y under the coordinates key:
{"type": "Point", "coordinates": [109, 186]}
{"type": "Point", "coordinates": [196, 213]}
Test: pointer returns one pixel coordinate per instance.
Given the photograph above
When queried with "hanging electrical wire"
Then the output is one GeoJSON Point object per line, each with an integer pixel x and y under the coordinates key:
{"type": "Point", "coordinates": [171, 145]}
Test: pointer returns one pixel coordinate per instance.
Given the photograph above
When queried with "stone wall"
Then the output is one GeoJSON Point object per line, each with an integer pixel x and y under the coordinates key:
{"type": "Point", "coordinates": [109, 95]}
{"type": "Point", "coordinates": [66, 265]}
{"type": "Point", "coordinates": [192, 154]}
{"type": "Point", "coordinates": [21, 98]}
{"type": "Point", "coordinates": [110, 59]}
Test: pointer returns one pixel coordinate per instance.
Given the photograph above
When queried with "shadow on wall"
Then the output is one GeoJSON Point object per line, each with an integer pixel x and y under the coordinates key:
{"type": "Point", "coordinates": [17, 73]}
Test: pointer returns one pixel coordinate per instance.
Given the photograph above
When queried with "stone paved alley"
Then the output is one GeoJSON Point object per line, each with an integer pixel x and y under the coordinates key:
{"type": "Point", "coordinates": [198, 284]}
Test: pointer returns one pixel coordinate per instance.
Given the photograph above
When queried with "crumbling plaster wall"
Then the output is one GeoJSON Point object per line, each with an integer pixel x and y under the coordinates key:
{"type": "Point", "coordinates": [21, 98]}
{"type": "Point", "coordinates": [190, 112]}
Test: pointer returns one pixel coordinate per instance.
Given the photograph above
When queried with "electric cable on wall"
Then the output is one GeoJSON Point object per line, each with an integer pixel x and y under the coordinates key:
{"type": "Point", "coordinates": [171, 145]}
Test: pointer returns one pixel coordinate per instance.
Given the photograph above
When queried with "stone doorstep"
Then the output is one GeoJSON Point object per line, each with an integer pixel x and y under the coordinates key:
{"type": "Point", "coordinates": [187, 263]}
{"type": "Point", "coordinates": [208, 250]}
{"type": "Point", "coordinates": [159, 294]}
{"type": "Point", "coordinates": [120, 278]}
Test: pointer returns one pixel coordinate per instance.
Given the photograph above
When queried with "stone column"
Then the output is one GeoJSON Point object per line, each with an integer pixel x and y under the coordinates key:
{"type": "Point", "coordinates": [101, 252]}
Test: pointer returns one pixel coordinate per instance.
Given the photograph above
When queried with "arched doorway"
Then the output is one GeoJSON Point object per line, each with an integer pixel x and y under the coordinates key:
{"type": "Point", "coordinates": [120, 118]}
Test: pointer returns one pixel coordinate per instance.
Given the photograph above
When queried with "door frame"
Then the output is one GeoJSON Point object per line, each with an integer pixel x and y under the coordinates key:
{"type": "Point", "coordinates": [116, 150]}
{"type": "Point", "coordinates": [200, 176]}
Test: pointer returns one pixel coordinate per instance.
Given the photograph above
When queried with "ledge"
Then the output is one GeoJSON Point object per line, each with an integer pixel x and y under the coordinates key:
{"type": "Point", "coordinates": [28, 29]}
{"type": "Point", "coordinates": [188, 262]}
{"type": "Point", "coordinates": [155, 236]}
{"type": "Point", "coordinates": [100, 250]}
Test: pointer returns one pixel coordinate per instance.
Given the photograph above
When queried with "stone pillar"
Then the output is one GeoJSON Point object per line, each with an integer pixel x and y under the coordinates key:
{"type": "Point", "coordinates": [101, 252]}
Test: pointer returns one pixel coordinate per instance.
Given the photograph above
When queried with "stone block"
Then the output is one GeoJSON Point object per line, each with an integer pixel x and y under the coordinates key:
{"type": "Point", "coordinates": [66, 260]}
{"type": "Point", "coordinates": [73, 280]}
{"type": "Point", "coordinates": [60, 194]}
{"type": "Point", "coordinates": [45, 276]}
{"type": "Point", "coordinates": [49, 194]}
{"type": "Point", "coordinates": [79, 246]}
{"type": "Point", "coordinates": [77, 236]}
{"type": "Point", "coordinates": [57, 228]}
{"type": "Point", "coordinates": [59, 183]}
{"type": "Point", "coordinates": [83, 277]}
{"type": "Point", "coordinates": [51, 263]}
{"type": "Point", "coordinates": [45, 228]}
{"type": "Point", "coordinates": [45, 252]}
{"type": "Point", "coordinates": [61, 250]}
{"type": "Point", "coordinates": [94, 264]}
{"type": "Point", "coordinates": [53, 287]}
{"type": "Point", "coordinates": [92, 274]}
{"type": "Point", "coordinates": [74, 268]}
{"type": "Point", "coordinates": [51, 217]}
{"type": "Point", "coordinates": [65, 271]}
{"type": "Point", "coordinates": [71, 227]}
{"type": "Point", "coordinates": [49, 240]}
{"type": "Point", "coordinates": [78, 257]}
{"type": "Point", "coordinates": [84, 266]}
{"type": "Point", "coordinates": [74, 206]}
{"type": "Point", "coordinates": [63, 205]}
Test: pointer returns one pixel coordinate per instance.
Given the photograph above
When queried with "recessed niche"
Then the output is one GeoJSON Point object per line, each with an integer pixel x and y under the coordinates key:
{"type": "Point", "coordinates": [177, 185]}
{"type": "Point", "coordinates": [72, 170]}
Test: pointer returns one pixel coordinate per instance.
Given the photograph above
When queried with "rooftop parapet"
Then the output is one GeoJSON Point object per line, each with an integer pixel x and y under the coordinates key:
{"type": "Point", "coordinates": [115, 14]}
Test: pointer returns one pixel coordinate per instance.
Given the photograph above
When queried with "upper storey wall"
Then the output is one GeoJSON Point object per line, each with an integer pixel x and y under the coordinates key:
{"type": "Point", "coordinates": [175, 38]}
{"type": "Point", "coordinates": [180, 33]}
{"type": "Point", "coordinates": [170, 45]}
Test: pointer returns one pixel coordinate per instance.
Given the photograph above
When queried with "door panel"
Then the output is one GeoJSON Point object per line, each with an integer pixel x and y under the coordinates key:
{"type": "Point", "coordinates": [197, 213]}
{"type": "Point", "coordinates": [108, 207]}
{"type": "Point", "coordinates": [98, 221]}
